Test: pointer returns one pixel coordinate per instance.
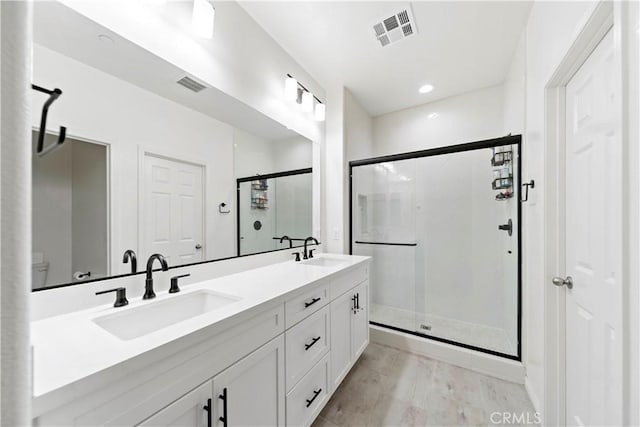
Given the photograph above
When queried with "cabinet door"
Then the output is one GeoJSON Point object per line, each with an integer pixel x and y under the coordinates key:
{"type": "Point", "coordinates": [252, 392]}
{"type": "Point", "coordinates": [188, 411]}
{"type": "Point", "coordinates": [360, 321]}
{"type": "Point", "coordinates": [342, 310]}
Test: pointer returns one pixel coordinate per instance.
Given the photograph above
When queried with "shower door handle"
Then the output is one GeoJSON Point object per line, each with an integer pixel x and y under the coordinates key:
{"type": "Point", "coordinates": [508, 227]}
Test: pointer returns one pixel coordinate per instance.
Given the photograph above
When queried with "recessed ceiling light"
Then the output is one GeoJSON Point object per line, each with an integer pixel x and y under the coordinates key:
{"type": "Point", "coordinates": [425, 89]}
{"type": "Point", "coordinates": [433, 115]}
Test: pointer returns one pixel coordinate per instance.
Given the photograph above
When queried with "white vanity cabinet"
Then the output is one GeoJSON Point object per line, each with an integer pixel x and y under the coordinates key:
{"type": "Point", "coordinates": [191, 409]}
{"type": "Point", "coordinates": [251, 392]}
{"type": "Point", "coordinates": [349, 330]}
{"type": "Point", "coordinates": [248, 393]}
{"type": "Point", "coordinates": [275, 365]}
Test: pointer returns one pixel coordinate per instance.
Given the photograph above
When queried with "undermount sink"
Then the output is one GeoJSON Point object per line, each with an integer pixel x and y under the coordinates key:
{"type": "Point", "coordinates": [136, 322]}
{"type": "Point", "coordinates": [326, 262]}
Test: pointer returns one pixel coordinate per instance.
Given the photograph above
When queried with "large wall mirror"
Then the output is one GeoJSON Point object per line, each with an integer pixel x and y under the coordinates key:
{"type": "Point", "coordinates": [152, 162]}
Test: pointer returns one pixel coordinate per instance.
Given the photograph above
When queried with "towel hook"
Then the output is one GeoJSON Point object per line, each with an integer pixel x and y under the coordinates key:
{"type": "Point", "coordinates": [526, 186]}
{"type": "Point", "coordinates": [222, 206]}
{"type": "Point", "coordinates": [53, 95]}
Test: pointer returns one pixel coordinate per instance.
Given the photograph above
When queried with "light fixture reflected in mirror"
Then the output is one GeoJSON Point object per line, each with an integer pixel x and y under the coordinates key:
{"type": "Point", "coordinates": [202, 18]}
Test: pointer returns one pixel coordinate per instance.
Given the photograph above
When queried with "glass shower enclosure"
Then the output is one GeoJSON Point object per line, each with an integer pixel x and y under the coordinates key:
{"type": "Point", "coordinates": [443, 229]}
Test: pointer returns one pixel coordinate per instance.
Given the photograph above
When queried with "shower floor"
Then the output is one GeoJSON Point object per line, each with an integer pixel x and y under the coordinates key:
{"type": "Point", "coordinates": [482, 336]}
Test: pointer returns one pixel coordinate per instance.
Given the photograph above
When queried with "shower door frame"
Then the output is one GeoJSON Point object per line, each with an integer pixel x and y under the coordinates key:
{"type": "Point", "coordinates": [274, 175]}
{"type": "Point", "coordinates": [450, 149]}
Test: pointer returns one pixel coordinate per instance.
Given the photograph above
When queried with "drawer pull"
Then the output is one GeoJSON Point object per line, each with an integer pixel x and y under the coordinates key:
{"type": "Point", "coordinates": [315, 394]}
{"type": "Point", "coordinates": [224, 418]}
{"type": "Point", "coordinates": [311, 344]}
{"type": "Point", "coordinates": [207, 408]}
{"type": "Point", "coordinates": [310, 303]}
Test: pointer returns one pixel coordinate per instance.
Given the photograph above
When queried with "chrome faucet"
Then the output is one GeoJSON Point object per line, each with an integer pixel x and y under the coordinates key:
{"type": "Point", "coordinates": [131, 255]}
{"type": "Point", "coordinates": [285, 237]}
{"type": "Point", "coordinates": [148, 285]}
{"type": "Point", "coordinates": [306, 254]}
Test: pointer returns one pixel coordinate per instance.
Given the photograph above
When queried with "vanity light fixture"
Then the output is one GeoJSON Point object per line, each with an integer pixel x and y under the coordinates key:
{"type": "Point", "coordinates": [320, 112]}
{"type": "Point", "coordinates": [307, 102]}
{"type": "Point", "coordinates": [425, 88]}
{"type": "Point", "coordinates": [296, 92]}
{"type": "Point", "coordinates": [290, 88]}
{"type": "Point", "coordinates": [202, 18]}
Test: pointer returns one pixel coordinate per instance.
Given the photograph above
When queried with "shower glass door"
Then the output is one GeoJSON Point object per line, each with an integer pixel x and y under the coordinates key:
{"type": "Point", "coordinates": [442, 227]}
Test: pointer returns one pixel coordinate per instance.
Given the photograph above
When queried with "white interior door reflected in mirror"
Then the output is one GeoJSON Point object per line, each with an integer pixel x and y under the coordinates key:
{"type": "Point", "coordinates": [172, 210]}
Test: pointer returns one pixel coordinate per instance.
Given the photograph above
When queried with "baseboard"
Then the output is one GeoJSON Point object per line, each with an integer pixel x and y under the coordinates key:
{"type": "Point", "coordinates": [498, 367]}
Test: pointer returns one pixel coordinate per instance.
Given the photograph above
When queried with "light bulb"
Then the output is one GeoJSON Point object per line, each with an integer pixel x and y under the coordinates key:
{"type": "Point", "coordinates": [307, 102]}
{"type": "Point", "coordinates": [202, 18]}
{"type": "Point", "coordinates": [321, 112]}
{"type": "Point", "coordinates": [291, 89]}
{"type": "Point", "coordinates": [425, 89]}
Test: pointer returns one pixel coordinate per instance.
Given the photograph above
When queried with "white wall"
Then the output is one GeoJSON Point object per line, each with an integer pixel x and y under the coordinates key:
{"type": "Point", "coordinates": [51, 210]}
{"type": "Point", "coordinates": [98, 107]}
{"type": "Point", "coordinates": [464, 118]}
{"type": "Point", "coordinates": [551, 29]}
{"type": "Point", "coordinates": [358, 129]}
{"type": "Point", "coordinates": [514, 123]}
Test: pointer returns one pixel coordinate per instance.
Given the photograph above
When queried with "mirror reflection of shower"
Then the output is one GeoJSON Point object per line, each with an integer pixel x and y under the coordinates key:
{"type": "Point", "coordinates": [444, 264]}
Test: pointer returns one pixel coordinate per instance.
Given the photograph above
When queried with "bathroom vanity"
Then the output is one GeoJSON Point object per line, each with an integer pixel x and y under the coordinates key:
{"type": "Point", "coordinates": [266, 346]}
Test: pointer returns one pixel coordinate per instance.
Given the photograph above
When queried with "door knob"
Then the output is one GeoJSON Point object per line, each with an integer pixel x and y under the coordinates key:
{"type": "Point", "coordinates": [559, 281]}
{"type": "Point", "coordinates": [198, 246]}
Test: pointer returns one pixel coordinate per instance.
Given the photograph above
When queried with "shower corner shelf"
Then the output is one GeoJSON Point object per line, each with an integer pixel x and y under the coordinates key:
{"type": "Point", "coordinates": [500, 158]}
{"type": "Point", "coordinates": [259, 197]}
{"type": "Point", "coordinates": [502, 183]}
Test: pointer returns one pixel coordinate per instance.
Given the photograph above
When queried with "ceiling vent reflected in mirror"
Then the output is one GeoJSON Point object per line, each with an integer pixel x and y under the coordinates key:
{"type": "Point", "coordinates": [191, 84]}
{"type": "Point", "coordinates": [395, 28]}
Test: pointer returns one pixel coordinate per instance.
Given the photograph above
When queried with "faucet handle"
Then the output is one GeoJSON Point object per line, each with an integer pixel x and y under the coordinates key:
{"type": "Point", "coordinates": [311, 253]}
{"type": "Point", "coordinates": [297, 254]}
{"type": "Point", "coordinates": [174, 283]}
{"type": "Point", "coordinates": [121, 296]}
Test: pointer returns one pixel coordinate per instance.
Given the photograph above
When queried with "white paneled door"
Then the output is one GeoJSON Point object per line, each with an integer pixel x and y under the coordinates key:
{"type": "Point", "coordinates": [172, 210]}
{"type": "Point", "coordinates": [593, 243]}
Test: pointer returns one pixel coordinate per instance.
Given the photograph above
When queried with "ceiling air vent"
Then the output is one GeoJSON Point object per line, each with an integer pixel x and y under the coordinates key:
{"type": "Point", "coordinates": [191, 84]}
{"type": "Point", "coordinates": [396, 27]}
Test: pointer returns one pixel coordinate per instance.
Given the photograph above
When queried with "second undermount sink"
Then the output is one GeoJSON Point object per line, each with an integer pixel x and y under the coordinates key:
{"type": "Point", "coordinates": [136, 322]}
{"type": "Point", "coordinates": [326, 262]}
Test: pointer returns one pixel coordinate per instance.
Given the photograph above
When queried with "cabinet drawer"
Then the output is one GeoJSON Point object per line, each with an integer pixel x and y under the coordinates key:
{"type": "Point", "coordinates": [348, 280]}
{"type": "Point", "coordinates": [308, 397]}
{"type": "Point", "coordinates": [305, 304]}
{"type": "Point", "coordinates": [306, 343]}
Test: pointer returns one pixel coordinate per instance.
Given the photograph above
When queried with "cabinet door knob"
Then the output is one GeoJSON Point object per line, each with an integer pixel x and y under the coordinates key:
{"type": "Point", "coordinates": [198, 246]}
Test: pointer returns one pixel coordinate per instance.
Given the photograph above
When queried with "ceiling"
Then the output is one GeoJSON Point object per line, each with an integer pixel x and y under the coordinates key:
{"type": "Point", "coordinates": [65, 31]}
{"type": "Point", "coordinates": [459, 46]}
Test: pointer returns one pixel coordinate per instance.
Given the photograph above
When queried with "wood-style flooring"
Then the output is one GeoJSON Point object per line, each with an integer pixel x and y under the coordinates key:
{"type": "Point", "coordinates": [389, 387]}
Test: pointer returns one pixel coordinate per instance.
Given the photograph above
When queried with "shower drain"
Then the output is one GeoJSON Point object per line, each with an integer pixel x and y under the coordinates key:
{"type": "Point", "coordinates": [425, 327]}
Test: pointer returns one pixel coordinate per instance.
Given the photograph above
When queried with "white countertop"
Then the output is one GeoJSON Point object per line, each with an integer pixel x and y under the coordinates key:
{"type": "Point", "coordinates": [71, 347]}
